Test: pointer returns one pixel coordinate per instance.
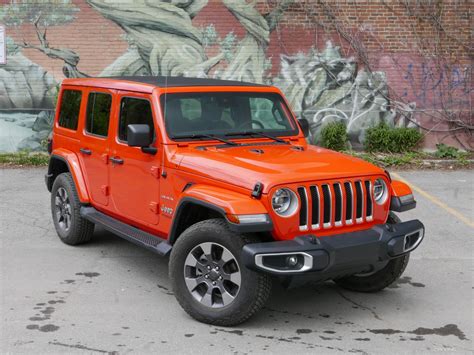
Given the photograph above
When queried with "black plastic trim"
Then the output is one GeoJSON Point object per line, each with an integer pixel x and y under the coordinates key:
{"type": "Point", "coordinates": [252, 227]}
{"type": "Point", "coordinates": [179, 81]}
{"type": "Point", "coordinates": [126, 231]}
{"type": "Point", "coordinates": [239, 228]}
{"type": "Point", "coordinates": [50, 145]}
{"type": "Point", "coordinates": [397, 205]}
{"type": "Point", "coordinates": [341, 253]}
{"type": "Point", "coordinates": [48, 178]}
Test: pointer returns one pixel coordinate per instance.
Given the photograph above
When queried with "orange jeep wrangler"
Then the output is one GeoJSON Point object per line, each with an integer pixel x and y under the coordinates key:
{"type": "Point", "coordinates": [218, 175]}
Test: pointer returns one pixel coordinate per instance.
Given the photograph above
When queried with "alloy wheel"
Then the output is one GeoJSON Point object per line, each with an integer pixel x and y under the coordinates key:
{"type": "Point", "coordinates": [212, 275]}
{"type": "Point", "coordinates": [63, 209]}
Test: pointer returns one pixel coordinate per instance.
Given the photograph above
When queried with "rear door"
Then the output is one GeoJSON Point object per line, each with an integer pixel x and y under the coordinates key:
{"type": "Point", "coordinates": [95, 143]}
{"type": "Point", "coordinates": [134, 175]}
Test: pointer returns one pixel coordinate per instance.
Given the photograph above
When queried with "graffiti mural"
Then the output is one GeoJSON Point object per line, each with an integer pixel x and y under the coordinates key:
{"type": "Point", "coordinates": [438, 85]}
{"type": "Point", "coordinates": [321, 85]}
{"type": "Point", "coordinates": [26, 102]}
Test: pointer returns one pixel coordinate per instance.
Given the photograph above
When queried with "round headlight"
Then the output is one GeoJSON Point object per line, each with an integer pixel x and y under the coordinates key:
{"type": "Point", "coordinates": [284, 202]}
{"type": "Point", "coordinates": [380, 191]}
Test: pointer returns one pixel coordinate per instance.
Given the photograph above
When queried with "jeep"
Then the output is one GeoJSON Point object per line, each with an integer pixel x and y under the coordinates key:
{"type": "Point", "coordinates": [218, 176]}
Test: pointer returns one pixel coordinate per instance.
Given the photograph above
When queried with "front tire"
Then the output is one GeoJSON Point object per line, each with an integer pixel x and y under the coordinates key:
{"type": "Point", "coordinates": [377, 281]}
{"type": "Point", "coordinates": [71, 227]}
{"type": "Point", "coordinates": [208, 276]}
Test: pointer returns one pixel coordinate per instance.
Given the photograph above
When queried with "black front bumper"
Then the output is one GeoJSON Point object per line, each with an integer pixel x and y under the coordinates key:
{"type": "Point", "coordinates": [337, 255]}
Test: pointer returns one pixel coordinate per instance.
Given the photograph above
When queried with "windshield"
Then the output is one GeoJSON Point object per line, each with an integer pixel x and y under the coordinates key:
{"type": "Point", "coordinates": [197, 115]}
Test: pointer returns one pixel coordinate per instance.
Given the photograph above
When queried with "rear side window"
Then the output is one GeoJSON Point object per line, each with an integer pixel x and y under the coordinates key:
{"type": "Point", "coordinates": [70, 106]}
{"type": "Point", "coordinates": [134, 111]}
{"type": "Point", "coordinates": [98, 113]}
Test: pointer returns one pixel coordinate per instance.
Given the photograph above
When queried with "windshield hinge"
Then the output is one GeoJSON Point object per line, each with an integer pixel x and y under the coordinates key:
{"type": "Point", "coordinates": [257, 190]}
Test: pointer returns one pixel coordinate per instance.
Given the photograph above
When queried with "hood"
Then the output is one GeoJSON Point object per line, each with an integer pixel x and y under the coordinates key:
{"type": "Point", "coordinates": [271, 164]}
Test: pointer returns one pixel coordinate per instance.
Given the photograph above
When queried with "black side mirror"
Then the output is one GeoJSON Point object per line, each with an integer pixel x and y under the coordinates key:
{"type": "Point", "coordinates": [304, 125]}
{"type": "Point", "coordinates": [139, 135]}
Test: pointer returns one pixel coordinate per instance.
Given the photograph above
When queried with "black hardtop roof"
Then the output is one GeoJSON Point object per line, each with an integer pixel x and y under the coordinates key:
{"type": "Point", "coordinates": [181, 81]}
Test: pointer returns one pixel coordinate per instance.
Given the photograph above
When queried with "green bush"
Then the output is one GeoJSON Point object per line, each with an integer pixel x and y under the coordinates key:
{"type": "Point", "coordinates": [446, 151]}
{"type": "Point", "coordinates": [383, 138]}
{"type": "Point", "coordinates": [334, 136]}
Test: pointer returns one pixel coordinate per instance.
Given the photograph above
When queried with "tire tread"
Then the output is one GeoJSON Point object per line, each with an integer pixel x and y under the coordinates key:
{"type": "Point", "coordinates": [82, 229]}
{"type": "Point", "coordinates": [262, 287]}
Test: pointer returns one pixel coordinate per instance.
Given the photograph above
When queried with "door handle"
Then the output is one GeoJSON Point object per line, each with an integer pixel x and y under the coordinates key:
{"type": "Point", "coordinates": [85, 151]}
{"type": "Point", "coordinates": [116, 160]}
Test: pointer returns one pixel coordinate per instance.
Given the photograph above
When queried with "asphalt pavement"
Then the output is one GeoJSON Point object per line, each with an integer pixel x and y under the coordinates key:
{"type": "Point", "coordinates": [110, 296]}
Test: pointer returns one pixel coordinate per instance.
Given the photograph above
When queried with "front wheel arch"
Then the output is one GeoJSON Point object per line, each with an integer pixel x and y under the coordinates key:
{"type": "Point", "coordinates": [191, 211]}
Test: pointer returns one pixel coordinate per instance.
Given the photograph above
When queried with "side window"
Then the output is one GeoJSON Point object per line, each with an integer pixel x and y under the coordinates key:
{"type": "Point", "coordinates": [134, 111]}
{"type": "Point", "coordinates": [98, 113]}
{"type": "Point", "coordinates": [70, 106]}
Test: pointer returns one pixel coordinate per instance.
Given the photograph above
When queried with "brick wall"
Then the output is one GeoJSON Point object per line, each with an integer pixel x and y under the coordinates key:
{"type": "Point", "coordinates": [424, 47]}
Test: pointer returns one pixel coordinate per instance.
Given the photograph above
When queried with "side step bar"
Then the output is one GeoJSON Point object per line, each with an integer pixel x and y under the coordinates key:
{"type": "Point", "coordinates": [125, 231]}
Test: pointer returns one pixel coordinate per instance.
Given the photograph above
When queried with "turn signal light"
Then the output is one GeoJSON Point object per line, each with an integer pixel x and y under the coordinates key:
{"type": "Point", "coordinates": [248, 218]}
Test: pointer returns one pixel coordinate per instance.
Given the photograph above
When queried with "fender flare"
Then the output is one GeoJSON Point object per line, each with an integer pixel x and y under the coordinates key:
{"type": "Point", "coordinates": [72, 162]}
{"type": "Point", "coordinates": [402, 197]}
{"type": "Point", "coordinates": [217, 199]}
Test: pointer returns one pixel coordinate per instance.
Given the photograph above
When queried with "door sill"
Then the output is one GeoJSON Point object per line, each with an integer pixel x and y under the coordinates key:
{"type": "Point", "coordinates": [137, 236]}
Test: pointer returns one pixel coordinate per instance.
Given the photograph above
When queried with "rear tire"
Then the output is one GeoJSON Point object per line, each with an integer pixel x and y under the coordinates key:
{"type": "Point", "coordinates": [208, 276]}
{"type": "Point", "coordinates": [71, 227]}
{"type": "Point", "coordinates": [377, 281]}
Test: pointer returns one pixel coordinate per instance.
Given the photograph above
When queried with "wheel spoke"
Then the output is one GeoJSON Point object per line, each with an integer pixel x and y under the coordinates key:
{"type": "Point", "coordinates": [235, 278]}
{"type": "Point", "coordinates": [194, 262]}
{"type": "Point", "coordinates": [207, 250]}
{"type": "Point", "coordinates": [62, 194]}
{"type": "Point", "coordinates": [67, 221]}
{"type": "Point", "coordinates": [193, 282]}
{"type": "Point", "coordinates": [227, 298]}
{"type": "Point", "coordinates": [57, 200]}
{"type": "Point", "coordinates": [191, 260]}
{"type": "Point", "coordinates": [207, 298]}
{"type": "Point", "coordinates": [226, 256]}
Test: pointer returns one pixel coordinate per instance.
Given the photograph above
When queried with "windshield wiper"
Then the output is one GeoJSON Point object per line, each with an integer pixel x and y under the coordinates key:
{"type": "Point", "coordinates": [252, 133]}
{"type": "Point", "coordinates": [210, 136]}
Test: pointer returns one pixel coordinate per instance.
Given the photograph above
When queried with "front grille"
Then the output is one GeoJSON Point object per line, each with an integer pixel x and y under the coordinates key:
{"type": "Point", "coordinates": [335, 204]}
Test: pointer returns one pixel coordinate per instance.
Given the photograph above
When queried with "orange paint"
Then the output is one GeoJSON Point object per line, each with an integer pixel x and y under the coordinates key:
{"type": "Point", "coordinates": [146, 189]}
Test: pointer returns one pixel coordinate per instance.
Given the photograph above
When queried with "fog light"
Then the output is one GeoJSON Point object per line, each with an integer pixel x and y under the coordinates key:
{"type": "Point", "coordinates": [292, 260]}
{"type": "Point", "coordinates": [284, 262]}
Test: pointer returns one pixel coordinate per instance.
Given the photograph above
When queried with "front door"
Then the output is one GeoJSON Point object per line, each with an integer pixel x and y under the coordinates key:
{"type": "Point", "coordinates": [134, 175]}
{"type": "Point", "coordinates": [95, 144]}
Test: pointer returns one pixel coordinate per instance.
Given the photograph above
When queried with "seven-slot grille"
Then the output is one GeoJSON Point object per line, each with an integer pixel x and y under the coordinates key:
{"type": "Point", "coordinates": [334, 204]}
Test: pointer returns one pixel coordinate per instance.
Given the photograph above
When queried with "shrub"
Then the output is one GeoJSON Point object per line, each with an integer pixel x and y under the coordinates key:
{"type": "Point", "coordinates": [383, 138]}
{"type": "Point", "coordinates": [334, 136]}
{"type": "Point", "coordinates": [446, 151]}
